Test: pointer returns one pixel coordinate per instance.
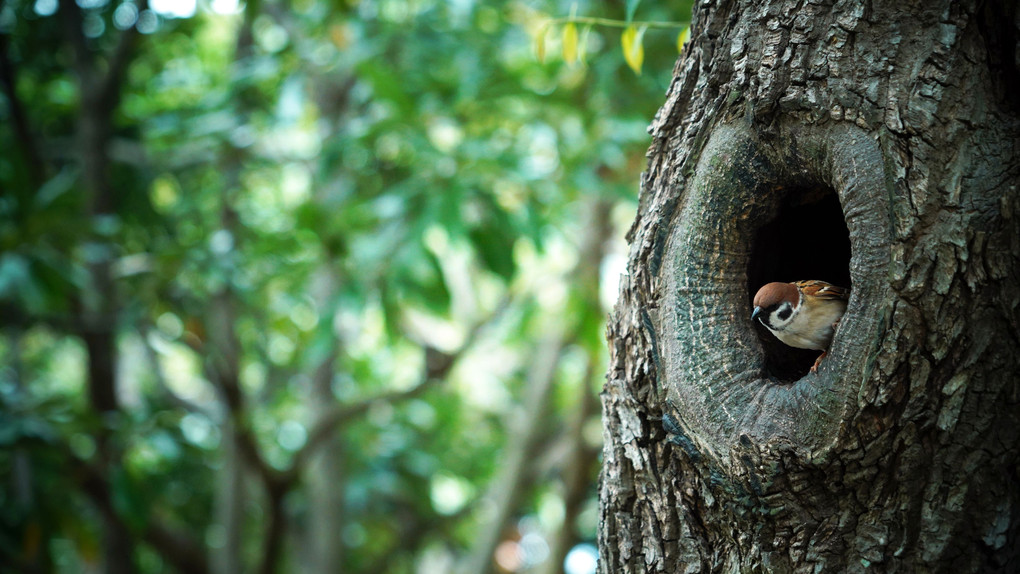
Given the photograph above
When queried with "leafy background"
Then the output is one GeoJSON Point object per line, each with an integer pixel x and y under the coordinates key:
{"type": "Point", "coordinates": [312, 286]}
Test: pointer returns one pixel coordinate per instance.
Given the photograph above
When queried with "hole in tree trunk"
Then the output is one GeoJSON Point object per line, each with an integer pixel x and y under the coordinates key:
{"type": "Point", "coordinates": [807, 239]}
{"type": "Point", "coordinates": [733, 228]}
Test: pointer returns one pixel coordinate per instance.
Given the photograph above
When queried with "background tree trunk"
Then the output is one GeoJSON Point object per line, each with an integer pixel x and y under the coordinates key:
{"type": "Point", "coordinates": [869, 144]}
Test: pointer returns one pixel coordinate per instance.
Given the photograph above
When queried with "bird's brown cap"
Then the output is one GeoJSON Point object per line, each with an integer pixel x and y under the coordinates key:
{"type": "Point", "coordinates": [775, 293]}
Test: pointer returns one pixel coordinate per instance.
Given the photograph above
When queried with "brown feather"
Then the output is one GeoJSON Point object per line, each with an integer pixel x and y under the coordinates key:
{"type": "Point", "coordinates": [823, 290]}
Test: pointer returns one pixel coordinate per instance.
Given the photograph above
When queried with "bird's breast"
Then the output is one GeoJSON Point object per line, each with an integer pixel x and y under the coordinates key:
{"type": "Point", "coordinates": [811, 330]}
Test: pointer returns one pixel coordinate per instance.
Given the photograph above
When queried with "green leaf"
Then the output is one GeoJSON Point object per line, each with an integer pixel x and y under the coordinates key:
{"type": "Point", "coordinates": [391, 309]}
{"type": "Point", "coordinates": [418, 279]}
{"type": "Point", "coordinates": [432, 290]}
{"type": "Point", "coordinates": [386, 84]}
{"type": "Point", "coordinates": [495, 248]}
{"type": "Point", "coordinates": [128, 499]}
{"type": "Point", "coordinates": [17, 428]}
{"type": "Point", "coordinates": [55, 187]}
{"type": "Point", "coordinates": [631, 9]}
{"type": "Point", "coordinates": [14, 274]}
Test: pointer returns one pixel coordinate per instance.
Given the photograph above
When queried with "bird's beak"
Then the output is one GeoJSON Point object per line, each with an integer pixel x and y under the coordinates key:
{"type": "Point", "coordinates": [754, 314]}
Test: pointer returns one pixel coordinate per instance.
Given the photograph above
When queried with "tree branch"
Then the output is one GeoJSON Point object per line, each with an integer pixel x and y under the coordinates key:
{"type": "Point", "coordinates": [18, 318]}
{"type": "Point", "coordinates": [19, 119]}
{"type": "Point", "coordinates": [110, 86]}
{"type": "Point", "coordinates": [575, 473]}
{"type": "Point", "coordinates": [506, 489]}
{"type": "Point", "coordinates": [226, 382]}
{"type": "Point", "coordinates": [174, 545]}
{"type": "Point", "coordinates": [437, 367]}
{"type": "Point", "coordinates": [144, 331]}
{"type": "Point", "coordinates": [337, 417]}
{"type": "Point", "coordinates": [103, 91]}
{"type": "Point", "coordinates": [272, 537]}
{"type": "Point", "coordinates": [100, 96]}
{"type": "Point", "coordinates": [177, 547]}
{"type": "Point", "coordinates": [84, 64]}
{"type": "Point", "coordinates": [527, 433]}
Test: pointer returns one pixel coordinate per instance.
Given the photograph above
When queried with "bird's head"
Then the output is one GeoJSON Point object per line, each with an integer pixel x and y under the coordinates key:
{"type": "Point", "coordinates": [775, 303]}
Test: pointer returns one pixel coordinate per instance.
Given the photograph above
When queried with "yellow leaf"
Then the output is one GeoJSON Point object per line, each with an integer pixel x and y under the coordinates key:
{"type": "Point", "coordinates": [682, 39]}
{"type": "Point", "coordinates": [633, 50]}
{"type": "Point", "coordinates": [570, 43]}
{"type": "Point", "coordinates": [540, 42]}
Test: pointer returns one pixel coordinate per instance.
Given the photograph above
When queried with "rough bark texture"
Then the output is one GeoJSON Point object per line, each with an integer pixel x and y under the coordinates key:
{"type": "Point", "coordinates": [722, 453]}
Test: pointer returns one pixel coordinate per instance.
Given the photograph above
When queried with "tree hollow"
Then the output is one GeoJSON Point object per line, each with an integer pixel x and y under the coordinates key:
{"type": "Point", "coordinates": [818, 209]}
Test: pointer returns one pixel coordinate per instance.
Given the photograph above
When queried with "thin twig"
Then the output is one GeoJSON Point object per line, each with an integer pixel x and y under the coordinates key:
{"type": "Point", "coordinates": [609, 22]}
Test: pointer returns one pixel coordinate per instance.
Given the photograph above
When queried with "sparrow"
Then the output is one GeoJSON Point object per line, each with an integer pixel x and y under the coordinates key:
{"type": "Point", "coordinates": [802, 314]}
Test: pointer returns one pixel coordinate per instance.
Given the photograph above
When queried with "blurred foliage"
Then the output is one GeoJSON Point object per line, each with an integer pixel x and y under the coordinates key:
{"type": "Point", "coordinates": [370, 211]}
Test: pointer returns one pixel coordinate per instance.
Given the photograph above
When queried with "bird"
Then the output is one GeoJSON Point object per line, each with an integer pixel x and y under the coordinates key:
{"type": "Point", "coordinates": [803, 314]}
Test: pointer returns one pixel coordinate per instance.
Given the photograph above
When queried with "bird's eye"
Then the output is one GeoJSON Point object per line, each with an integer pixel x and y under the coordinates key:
{"type": "Point", "coordinates": [784, 312]}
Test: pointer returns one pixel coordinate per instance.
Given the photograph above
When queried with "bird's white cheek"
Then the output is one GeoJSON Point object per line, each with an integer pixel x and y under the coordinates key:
{"type": "Point", "coordinates": [777, 324]}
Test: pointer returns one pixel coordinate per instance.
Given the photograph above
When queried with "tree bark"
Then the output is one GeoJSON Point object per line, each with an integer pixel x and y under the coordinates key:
{"type": "Point", "coordinates": [228, 504]}
{"type": "Point", "coordinates": [870, 144]}
{"type": "Point", "coordinates": [326, 484]}
{"type": "Point", "coordinates": [100, 93]}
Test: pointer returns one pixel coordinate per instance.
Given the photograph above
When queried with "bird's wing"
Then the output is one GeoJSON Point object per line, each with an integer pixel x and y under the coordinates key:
{"type": "Point", "coordinates": [823, 290]}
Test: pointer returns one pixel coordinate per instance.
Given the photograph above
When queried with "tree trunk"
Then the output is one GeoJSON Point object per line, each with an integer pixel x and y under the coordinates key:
{"type": "Point", "coordinates": [874, 145]}
{"type": "Point", "coordinates": [99, 91]}
{"type": "Point", "coordinates": [326, 484]}
{"type": "Point", "coordinates": [507, 489]}
{"type": "Point", "coordinates": [228, 504]}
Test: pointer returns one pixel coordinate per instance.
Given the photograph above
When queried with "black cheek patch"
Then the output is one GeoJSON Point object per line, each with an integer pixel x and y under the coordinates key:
{"type": "Point", "coordinates": [785, 314]}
